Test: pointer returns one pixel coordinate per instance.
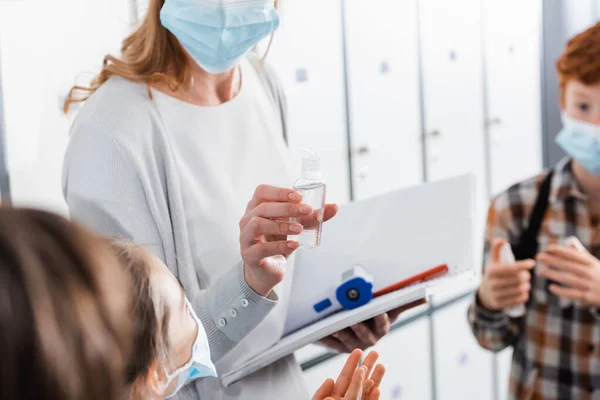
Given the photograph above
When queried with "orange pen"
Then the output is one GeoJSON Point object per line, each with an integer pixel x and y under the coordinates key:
{"type": "Point", "coordinates": [422, 277]}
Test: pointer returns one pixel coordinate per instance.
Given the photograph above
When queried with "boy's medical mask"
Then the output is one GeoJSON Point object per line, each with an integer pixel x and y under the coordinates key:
{"type": "Point", "coordinates": [581, 140]}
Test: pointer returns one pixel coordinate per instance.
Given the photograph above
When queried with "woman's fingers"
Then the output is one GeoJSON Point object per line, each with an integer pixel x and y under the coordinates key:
{"type": "Point", "coordinates": [365, 335]}
{"type": "Point", "coordinates": [381, 324]}
{"type": "Point", "coordinates": [395, 313]}
{"type": "Point", "coordinates": [349, 339]}
{"type": "Point", "coordinates": [254, 254]}
{"type": "Point", "coordinates": [331, 211]}
{"type": "Point", "coordinates": [280, 210]}
{"type": "Point", "coordinates": [257, 227]}
{"type": "Point", "coordinates": [267, 193]}
{"type": "Point", "coordinates": [334, 344]}
{"type": "Point", "coordinates": [318, 216]}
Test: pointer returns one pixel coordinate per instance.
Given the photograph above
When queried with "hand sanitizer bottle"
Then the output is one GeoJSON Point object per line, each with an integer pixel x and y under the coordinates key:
{"type": "Point", "coordinates": [507, 257]}
{"type": "Point", "coordinates": [313, 190]}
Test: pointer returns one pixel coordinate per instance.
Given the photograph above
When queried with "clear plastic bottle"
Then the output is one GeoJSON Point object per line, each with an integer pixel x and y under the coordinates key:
{"type": "Point", "coordinates": [314, 191]}
{"type": "Point", "coordinates": [507, 257]}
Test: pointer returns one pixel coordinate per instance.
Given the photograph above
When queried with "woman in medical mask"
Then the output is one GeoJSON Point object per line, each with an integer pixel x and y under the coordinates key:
{"type": "Point", "coordinates": [170, 345]}
{"type": "Point", "coordinates": [177, 134]}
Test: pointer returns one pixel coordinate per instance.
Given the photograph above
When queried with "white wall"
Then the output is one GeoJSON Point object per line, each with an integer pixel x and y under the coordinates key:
{"type": "Point", "coordinates": [38, 68]}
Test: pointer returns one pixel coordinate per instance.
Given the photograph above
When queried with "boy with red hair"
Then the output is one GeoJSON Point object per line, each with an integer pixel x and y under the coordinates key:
{"type": "Point", "coordinates": [556, 337]}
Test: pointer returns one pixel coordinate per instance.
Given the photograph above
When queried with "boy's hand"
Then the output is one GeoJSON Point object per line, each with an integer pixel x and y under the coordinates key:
{"type": "Point", "coordinates": [575, 268]}
{"type": "Point", "coordinates": [504, 285]}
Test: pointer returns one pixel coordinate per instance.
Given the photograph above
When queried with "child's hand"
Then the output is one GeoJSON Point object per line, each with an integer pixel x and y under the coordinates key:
{"type": "Point", "coordinates": [575, 268]}
{"type": "Point", "coordinates": [354, 384]}
{"type": "Point", "coordinates": [504, 285]}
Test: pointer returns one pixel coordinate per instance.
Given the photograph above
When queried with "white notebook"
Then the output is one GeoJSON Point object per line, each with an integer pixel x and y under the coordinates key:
{"type": "Point", "coordinates": [339, 321]}
{"type": "Point", "coordinates": [393, 237]}
{"type": "Point", "coordinates": [323, 328]}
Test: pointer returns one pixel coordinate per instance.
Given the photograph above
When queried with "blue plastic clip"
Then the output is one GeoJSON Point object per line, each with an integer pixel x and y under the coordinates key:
{"type": "Point", "coordinates": [355, 290]}
{"type": "Point", "coordinates": [322, 305]}
{"type": "Point", "coordinates": [354, 293]}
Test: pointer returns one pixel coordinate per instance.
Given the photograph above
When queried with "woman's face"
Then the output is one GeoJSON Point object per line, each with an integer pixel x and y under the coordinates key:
{"type": "Point", "coordinates": [582, 102]}
{"type": "Point", "coordinates": [182, 328]}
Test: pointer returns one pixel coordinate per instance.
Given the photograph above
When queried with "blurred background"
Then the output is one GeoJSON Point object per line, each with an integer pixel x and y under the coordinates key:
{"type": "Point", "coordinates": [391, 93]}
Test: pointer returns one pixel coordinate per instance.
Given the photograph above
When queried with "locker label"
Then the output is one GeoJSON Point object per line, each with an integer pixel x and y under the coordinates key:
{"type": "Point", "coordinates": [463, 359]}
{"type": "Point", "coordinates": [301, 75]}
{"type": "Point", "coordinates": [385, 68]}
{"type": "Point", "coordinates": [397, 392]}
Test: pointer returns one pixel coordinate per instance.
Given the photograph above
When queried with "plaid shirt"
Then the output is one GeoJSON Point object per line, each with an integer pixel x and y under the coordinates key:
{"type": "Point", "coordinates": [557, 344]}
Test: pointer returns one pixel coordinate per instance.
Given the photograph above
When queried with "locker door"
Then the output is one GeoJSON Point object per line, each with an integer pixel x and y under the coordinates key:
{"type": "Point", "coordinates": [383, 91]}
{"type": "Point", "coordinates": [577, 16]}
{"type": "Point", "coordinates": [315, 376]}
{"type": "Point", "coordinates": [38, 68]}
{"type": "Point", "coordinates": [453, 97]}
{"type": "Point", "coordinates": [452, 88]}
{"type": "Point", "coordinates": [504, 361]}
{"type": "Point", "coordinates": [463, 369]}
{"type": "Point", "coordinates": [513, 90]}
{"type": "Point", "coordinates": [406, 355]}
{"type": "Point", "coordinates": [307, 53]}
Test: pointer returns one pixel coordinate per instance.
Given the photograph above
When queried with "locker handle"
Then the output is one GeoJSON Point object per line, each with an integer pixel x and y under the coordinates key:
{"type": "Point", "coordinates": [363, 150]}
{"type": "Point", "coordinates": [493, 122]}
{"type": "Point", "coordinates": [435, 133]}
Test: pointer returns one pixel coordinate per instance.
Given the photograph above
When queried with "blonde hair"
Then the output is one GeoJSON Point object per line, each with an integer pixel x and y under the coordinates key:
{"type": "Point", "coordinates": [150, 318]}
{"type": "Point", "coordinates": [149, 55]}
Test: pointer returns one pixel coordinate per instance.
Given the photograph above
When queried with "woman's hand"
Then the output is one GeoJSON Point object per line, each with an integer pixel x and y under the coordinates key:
{"type": "Point", "coordinates": [366, 334]}
{"type": "Point", "coordinates": [354, 384]}
{"type": "Point", "coordinates": [264, 229]}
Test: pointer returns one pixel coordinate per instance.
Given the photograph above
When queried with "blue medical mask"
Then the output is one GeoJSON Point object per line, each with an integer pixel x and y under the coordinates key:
{"type": "Point", "coordinates": [581, 140]}
{"type": "Point", "coordinates": [218, 33]}
{"type": "Point", "coordinates": [199, 365]}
